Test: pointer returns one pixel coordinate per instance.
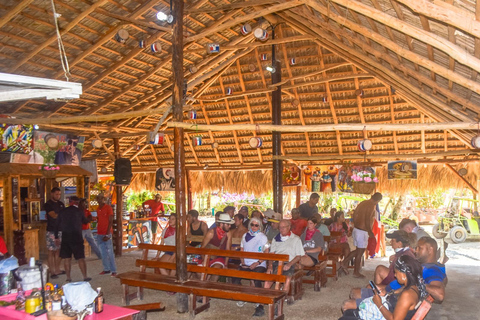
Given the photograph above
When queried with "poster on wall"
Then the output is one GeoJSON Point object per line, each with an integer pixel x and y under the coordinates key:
{"type": "Point", "coordinates": [345, 173]}
{"type": "Point", "coordinates": [402, 170]}
{"type": "Point", "coordinates": [321, 178]}
{"type": "Point", "coordinates": [165, 179]}
{"type": "Point", "coordinates": [139, 232]}
{"type": "Point", "coordinates": [16, 138]}
{"type": "Point", "coordinates": [292, 175]}
{"type": "Point", "coordinates": [65, 149]}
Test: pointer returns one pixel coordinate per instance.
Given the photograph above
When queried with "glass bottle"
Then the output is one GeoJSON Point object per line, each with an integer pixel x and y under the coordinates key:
{"type": "Point", "coordinates": [20, 300]}
{"type": "Point", "coordinates": [56, 299]}
{"type": "Point", "coordinates": [48, 299]}
{"type": "Point", "coordinates": [99, 301]}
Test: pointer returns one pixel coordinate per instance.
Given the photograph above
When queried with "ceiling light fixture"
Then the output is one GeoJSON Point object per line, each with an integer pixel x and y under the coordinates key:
{"type": "Point", "coordinates": [271, 69]}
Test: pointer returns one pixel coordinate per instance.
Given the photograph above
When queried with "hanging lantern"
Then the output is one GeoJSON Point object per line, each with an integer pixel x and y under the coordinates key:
{"type": "Point", "coordinates": [261, 34]}
{"type": "Point", "coordinates": [229, 91]}
{"type": "Point", "coordinates": [192, 114]}
{"type": "Point", "coordinates": [263, 57]}
{"type": "Point", "coordinates": [476, 141]}
{"type": "Point", "coordinates": [295, 102]}
{"type": "Point", "coordinates": [292, 61]}
{"type": "Point", "coordinates": [215, 145]}
{"type": "Point", "coordinates": [213, 48]}
{"type": "Point", "coordinates": [141, 44]}
{"type": "Point", "coordinates": [156, 47]}
{"type": "Point", "coordinates": [96, 143]}
{"type": "Point", "coordinates": [197, 141]}
{"type": "Point", "coordinates": [255, 142]}
{"type": "Point", "coordinates": [246, 29]}
{"type": "Point", "coordinates": [359, 92]}
{"type": "Point", "coordinates": [155, 138]}
{"type": "Point", "coordinates": [252, 67]}
{"type": "Point", "coordinates": [121, 36]}
{"type": "Point", "coordinates": [365, 145]}
{"type": "Point", "coordinates": [193, 69]}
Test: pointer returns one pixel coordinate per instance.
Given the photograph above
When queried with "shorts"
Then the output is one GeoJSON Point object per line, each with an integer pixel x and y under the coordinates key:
{"type": "Point", "coordinates": [50, 236]}
{"type": "Point", "coordinates": [366, 293]}
{"type": "Point", "coordinates": [218, 260]}
{"type": "Point", "coordinates": [315, 261]}
{"type": "Point", "coordinates": [288, 272]}
{"type": "Point", "coordinates": [360, 238]}
{"type": "Point", "coordinates": [68, 248]}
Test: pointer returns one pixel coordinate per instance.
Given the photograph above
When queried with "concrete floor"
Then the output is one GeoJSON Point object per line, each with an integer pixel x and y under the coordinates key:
{"type": "Point", "coordinates": [462, 296]}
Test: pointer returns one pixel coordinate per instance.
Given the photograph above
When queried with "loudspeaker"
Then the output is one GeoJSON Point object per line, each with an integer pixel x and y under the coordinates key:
{"type": "Point", "coordinates": [122, 171]}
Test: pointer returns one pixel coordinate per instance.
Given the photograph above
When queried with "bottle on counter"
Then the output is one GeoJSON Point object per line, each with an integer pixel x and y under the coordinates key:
{"type": "Point", "coordinates": [99, 301]}
{"type": "Point", "coordinates": [20, 300]}
{"type": "Point", "coordinates": [48, 298]}
{"type": "Point", "coordinates": [56, 299]}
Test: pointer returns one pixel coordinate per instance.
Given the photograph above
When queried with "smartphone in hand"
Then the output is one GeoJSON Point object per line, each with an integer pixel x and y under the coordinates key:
{"type": "Point", "coordinates": [374, 287]}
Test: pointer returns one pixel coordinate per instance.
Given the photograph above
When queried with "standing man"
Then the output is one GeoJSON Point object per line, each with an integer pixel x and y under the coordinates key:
{"type": "Point", "coordinates": [70, 222]}
{"type": "Point", "coordinates": [155, 205]}
{"type": "Point", "coordinates": [104, 236]}
{"type": "Point", "coordinates": [244, 212]}
{"type": "Point", "coordinates": [53, 207]}
{"type": "Point", "coordinates": [308, 209]}
{"type": "Point", "coordinates": [363, 218]}
{"type": "Point", "coordinates": [86, 231]}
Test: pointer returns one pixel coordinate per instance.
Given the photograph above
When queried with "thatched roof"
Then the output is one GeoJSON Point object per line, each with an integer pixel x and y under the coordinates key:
{"type": "Point", "coordinates": [402, 61]}
{"type": "Point", "coordinates": [27, 169]}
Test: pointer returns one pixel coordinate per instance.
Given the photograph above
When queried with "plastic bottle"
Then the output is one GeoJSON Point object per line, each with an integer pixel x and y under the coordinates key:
{"type": "Point", "coordinates": [99, 301]}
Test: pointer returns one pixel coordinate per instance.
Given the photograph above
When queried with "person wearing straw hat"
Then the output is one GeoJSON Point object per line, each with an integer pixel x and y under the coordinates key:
{"type": "Point", "coordinates": [219, 237]}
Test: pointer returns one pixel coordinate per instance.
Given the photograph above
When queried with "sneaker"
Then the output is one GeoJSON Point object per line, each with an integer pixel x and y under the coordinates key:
{"type": "Point", "coordinates": [104, 272]}
{"type": "Point", "coordinates": [259, 311]}
{"type": "Point", "coordinates": [114, 274]}
{"type": "Point", "coordinates": [241, 303]}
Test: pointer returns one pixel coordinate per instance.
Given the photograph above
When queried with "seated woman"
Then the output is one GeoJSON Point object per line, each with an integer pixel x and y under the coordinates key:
{"type": "Point", "coordinates": [195, 227]}
{"type": "Point", "coordinates": [313, 244]}
{"type": "Point", "coordinates": [168, 239]}
{"type": "Point", "coordinates": [252, 241]}
{"type": "Point", "coordinates": [339, 225]}
{"type": "Point", "coordinates": [396, 305]}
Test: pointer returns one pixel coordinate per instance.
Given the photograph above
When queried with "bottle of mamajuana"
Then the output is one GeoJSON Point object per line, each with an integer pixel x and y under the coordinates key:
{"type": "Point", "coordinates": [99, 301]}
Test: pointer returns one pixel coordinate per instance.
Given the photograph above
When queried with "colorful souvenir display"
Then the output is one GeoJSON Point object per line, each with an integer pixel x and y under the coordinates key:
{"type": "Point", "coordinates": [16, 138]}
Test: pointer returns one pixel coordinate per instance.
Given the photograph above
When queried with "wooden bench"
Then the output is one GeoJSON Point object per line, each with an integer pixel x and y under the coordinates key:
{"type": "Point", "coordinates": [319, 272]}
{"type": "Point", "coordinates": [332, 257]}
{"type": "Point", "coordinates": [273, 297]}
{"type": "Point", "coordinates": [423, 309]}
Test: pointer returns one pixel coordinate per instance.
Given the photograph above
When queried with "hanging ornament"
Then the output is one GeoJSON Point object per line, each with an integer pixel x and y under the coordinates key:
{"type": "Point", "coordinates": [96, 143]}
{"type": "Point", "coordinates": [476, 141]}
{"type": "Point", "coordinates": [172, 148]}
{"type": "Point", "coordinates": [121, 36]}
{"type": "Point", "coordinates": [365, 145]}
{"type": "Point", "coordinates": [197, 141]}
{"type": "Point", "coordinates": [261, 34]}
{"type": "Point", "coordinates": [193, 69]}
{"type": "Point", "coordinates": [156, 47]}
{"type": "Point", "coordinates": [295, 102]}
{"type": "Point", "coordinates": [229, 91]}
{"type": "Point", "coordinates": [215, 145]}
{"type": "Point", "coordinates": [324, 99]}
{"type": "Point", "coordinates": [392, 89]}
{"type": "Point", "coordinates": [141, 44]}
{"type": "Point", "coordinates": [252, 67]}
{"type": "Point", "coordinates": [213, 48]}
{"type": "Point", "coordinates": [155, 138]}
{"type": "Point", "coordinates": [292, 61]}
{"type": "Point", "coordinates": [246, 29]}
{"type": "Point", "coordinates": [255, 142]}
{"type": "Point", "coordinates": [263, 57]}
{"type": "Point", "coordinates": [359, 92]}
{"type": "Point", "coordinates": [192, 114]}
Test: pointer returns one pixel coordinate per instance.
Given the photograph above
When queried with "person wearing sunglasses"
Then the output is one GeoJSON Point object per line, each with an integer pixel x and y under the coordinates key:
{"type": "Point", "coordinates": [252, 241]}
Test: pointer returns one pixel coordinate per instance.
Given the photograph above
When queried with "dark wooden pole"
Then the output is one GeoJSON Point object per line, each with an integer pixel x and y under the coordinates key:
{"type": "Point", "coordinates": [277, 136]}
{"type": "Point", "coordinates": [298, 196]}
{"type": "Point", "coordinates": [179, 158]}
{"type": "Point", "coordinates": [118, 218]}
{"type": "Point", "coordinates": [189, 192]}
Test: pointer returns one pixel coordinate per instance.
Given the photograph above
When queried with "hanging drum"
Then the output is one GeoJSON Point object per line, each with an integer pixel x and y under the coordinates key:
{"type": "Point", "coordinates": [156, 47]}
{"type": "Point", "coordinates": [292, 61]}
{"type": "Point", "coordinates": [246, 29]}
{"type": "Point", "coordinates": [51, 141]}
{"type": "Point", "coordinates": [213, 48]}
{"type": "Point", "coordinates": [229, 91]}
{"type": "Point", "coordinates": [263, 57]}
{"type": "Point", "coordinates": [141, 44]}
{"type": "Point", "coordinates": [365, 145]}
{"type": "Point", "coordinates": [255, 142]}
{"type": "Point", "coordinates": [324, 99]}
{"type": "Point", "coordinates": [172, 148]}
{"type": "Point", "coordinates": [193, 69]}
{"type": "Point", "coordinates": [192, 114]}
{"type": "Point", "coordinates": [121, 36]}
{"type": "Point", "coordinates": [359, 92]}
{"type": "Point", "coordinates": [197, 141]}
{"type": "Point", "coordinates": [97, 143]}
{"type": "Point", "coordinates": [252, 67]}
{"type": "Point", "coordinates": [215, 145]}
{"type": "Point", "coordinates": [476, 141]}
{"type": "Point", "coordinates": [295, 102]}
{"type": "Point", "coordinates": [261, 34]}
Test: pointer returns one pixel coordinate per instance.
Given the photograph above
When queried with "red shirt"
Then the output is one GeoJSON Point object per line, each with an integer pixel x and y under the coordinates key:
{"type": "Point", "coordinates": [155, 206]}
{"type": "Point", "coordinates": [3, 246]}
{"type": "Point", "coordinates": [86, 226]}
{"type": "Point", "coordinates": [298, 226]}
{"type": "Point", "coordinates": [103, 215]}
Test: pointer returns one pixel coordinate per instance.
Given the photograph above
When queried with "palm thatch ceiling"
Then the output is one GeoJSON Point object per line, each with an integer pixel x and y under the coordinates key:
{"type": "Point", "coordinates": [368, 61]}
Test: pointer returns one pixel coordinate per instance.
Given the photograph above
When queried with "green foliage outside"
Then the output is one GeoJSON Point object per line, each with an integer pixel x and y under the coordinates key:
{"type": "Point", "coordinates": [135, 199]}
{"type": "Point", "coordinates": [426, 200]}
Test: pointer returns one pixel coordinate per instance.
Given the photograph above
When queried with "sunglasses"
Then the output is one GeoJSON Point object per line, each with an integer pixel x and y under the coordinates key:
{"type": "Point", "coordinates": [255, 225]}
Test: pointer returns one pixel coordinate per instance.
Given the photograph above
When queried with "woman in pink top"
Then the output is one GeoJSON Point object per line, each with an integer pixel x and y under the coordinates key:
{"type": "Point", "coordinates": [339, 225]}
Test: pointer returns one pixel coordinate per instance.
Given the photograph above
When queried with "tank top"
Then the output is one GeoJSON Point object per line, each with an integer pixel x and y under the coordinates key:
{"type": "Point", "coordinates": [216, 242]}
{"type": "Point", "coordinates": [197, 232]}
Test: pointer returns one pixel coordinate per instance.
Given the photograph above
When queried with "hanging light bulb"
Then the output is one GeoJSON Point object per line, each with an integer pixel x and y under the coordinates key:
{"type": "Point", "coordinates": [271, 69]}
{"type": "Point", "coordinates": [36, 127]}
{"type": "Point", "coordinates": [162, 16]}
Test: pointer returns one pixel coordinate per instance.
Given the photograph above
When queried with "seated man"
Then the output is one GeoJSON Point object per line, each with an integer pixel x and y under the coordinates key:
{"type": "Point", "coordinates": [433, 274]}
{"type": "Point", "coordinates": [286, 242]}
{"type": "Point", "coordinates": [219, 237]}
{"type": "Point", "coordinates": [297, 223]}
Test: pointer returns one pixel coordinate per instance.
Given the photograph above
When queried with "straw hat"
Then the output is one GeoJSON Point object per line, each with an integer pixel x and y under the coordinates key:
{"type": "Point", "coordinates": [225, 218]}
{"type": "Point", "coordinates": [272, 216]}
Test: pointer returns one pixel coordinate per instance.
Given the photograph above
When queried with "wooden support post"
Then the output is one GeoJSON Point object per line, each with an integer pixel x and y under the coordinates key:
{"type": "Point", "coordinates": [189, 191]}
{"type": "Point", "coordinates": [81, 187]}
{"type": "Point", "coordinates": [277, 136]}
{"type": "Point", "coordinates": [118, 219]}
{"type": "Point", "coordinates": [8, 213]}
{"type": "Point", "coordinates": [179, 158]}
{"type": "Point", "coordinates": [298, 196]}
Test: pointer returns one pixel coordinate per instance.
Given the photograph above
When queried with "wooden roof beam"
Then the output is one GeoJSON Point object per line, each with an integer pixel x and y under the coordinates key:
{"type": "Point", "coordinates": [210, 134]}
{"type": "Point", "coordinates": [262, 75]}
{"type": "Point", "coordinates": [227, 7]}
{"type": "Point", "coordinates": [392, 114]}
{"type": "Point", "coordinates": [14, 11]}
